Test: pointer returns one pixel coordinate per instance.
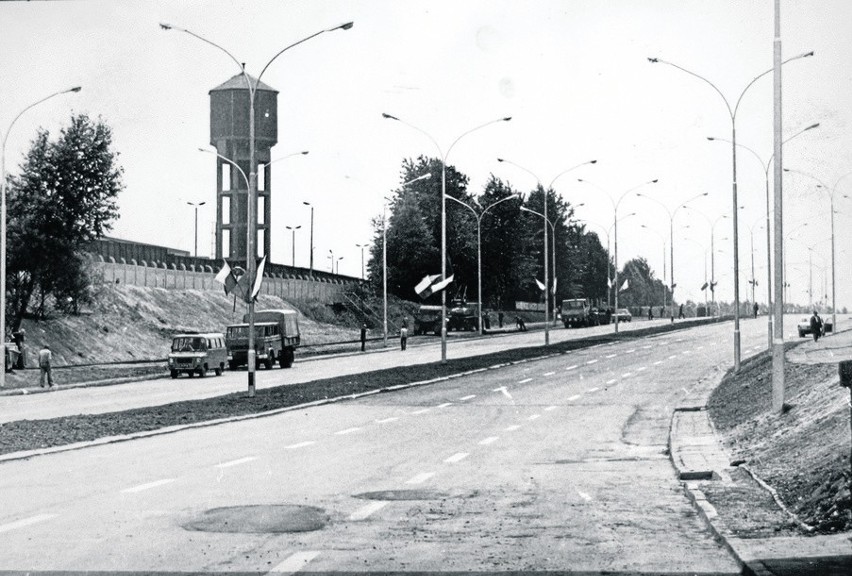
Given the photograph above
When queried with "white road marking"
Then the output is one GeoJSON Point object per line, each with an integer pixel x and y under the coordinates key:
{"type": "Point", "coordinates": [489, 440]}
{"type": "Point", "coordinates": [504, 390]}
{"type": "Point", "coordinates": [548, 373]}
{"type": "Point", "coordinates": [613, 381]}
{"type": "Point", "coordinates": [348, 430]}
{"type": "Point", "coordinates": [648, 347]}
{"type": "Point", "coordinates": [25, 522]}
{"type": "Point", "coordinates": [512, 428]}
{"type": "Point", "coordinates": [534, 417]}
{"type": "Point", "coordinates": [367, 511]}
{"type": "Point", "coordinates": [584, 496]}
{"type": "Point", "coordinates": [422, 411]}
{"type": "Point", "coordinates": [592, 361]}
{"type": "Point", "coordinates": [549, 408]}
{"type": "Point", "coordinates": [627, 375]}
{"type": "Point", "coordinates": [386, 420]}
{"type": "Point", "coordinates": [574, 397]}
{"type": "Point", "coordinates": [295, 562]}
{"type": "Point", "coordinates": [300, 445]}
{"type": "Point", "coordinates": [525, 380]}
{"type": "Point", "coordinates": [595, 389]}
{"type": "Point", "coordinates": [608, 356]}
{"type": "Point", "coordinates": [148, 486]}
{"type": "Point", "coordinates": [445, 404]}
{"type": "Point", "coordinates": [420, 478]}
{"type": "Point", "coordinates": [641, 368]}
{"type": "Point", "coordinates": [468, 397]}
{"type": "Point", "coordinates": [673, 356]}
{"type": "Point", "coordinates": [658, 362]}
{"type": "Point", "coordinates": [236, 462]}
{"type": "Point", "coordinates": [631, 351]}
{"type": "Point", "coordinates": [571, 367]}
{"type": "Point", "coordinates": [457, 457]}
{"type": "Point", "coordinates": [687, 352]}
{"type": "Point", "coordinates": [700, 348]}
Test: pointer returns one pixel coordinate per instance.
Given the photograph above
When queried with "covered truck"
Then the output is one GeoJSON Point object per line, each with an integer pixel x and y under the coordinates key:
{"type": "Point", "coordinates": [276, 337]}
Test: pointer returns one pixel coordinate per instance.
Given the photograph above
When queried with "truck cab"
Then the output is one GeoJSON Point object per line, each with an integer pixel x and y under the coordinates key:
{"type": "Point", "coordinates": [578, 312]}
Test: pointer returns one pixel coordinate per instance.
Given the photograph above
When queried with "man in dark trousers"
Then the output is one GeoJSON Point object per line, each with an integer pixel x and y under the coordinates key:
{"type": "Point", "coordinates": [403, 335]}
{"type": "Point", "coordinates": [816, 326]}
{"type": "Point", "coordinates": [363, 337]}
{"type": "Point", "coordinates": [44, 360]}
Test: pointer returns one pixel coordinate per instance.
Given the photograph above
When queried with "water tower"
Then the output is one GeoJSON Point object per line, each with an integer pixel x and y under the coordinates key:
{"type": "Point", "coordinates": [229, 133]}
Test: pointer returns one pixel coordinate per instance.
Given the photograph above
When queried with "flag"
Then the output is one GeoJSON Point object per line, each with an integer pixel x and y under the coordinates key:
{"type": "Point", "coordinates": [704, 286]}
{"type": "Point", "coordinates": [258, 279]}
{"type": "Point", "coordinates": [226, 277]}
{"type": "Point", "coordinates": [554, 285]}
{"type": "Point", "coordinates": [423, 285]}
{"type": "Point", "coordinates": [442, 284]}
{"type": "Point", "coordinates": [609, 282]}
{"type": "Point", "coordinates": [541, 285]}
{"type": "Point", "coordinates": [626, 284]}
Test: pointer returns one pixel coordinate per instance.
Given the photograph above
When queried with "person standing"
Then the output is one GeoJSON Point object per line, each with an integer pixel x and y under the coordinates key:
{"type": "Point", "coordinates": [44, 359]}
{"type": "Point", "coordinates": [363, 337]}
{"type": "Point", "coordinates": [650, 313]}
{"type": "Point", "coordinates": [816, 326]}
{"type": "Point", "coordinates": [680, 312]}
{"type": "Point", "coordinates": [403, 336]}
{"type": "Point", "coordinates": [756, 309]}
{"type": "Point", "coordinates": [500, 318]}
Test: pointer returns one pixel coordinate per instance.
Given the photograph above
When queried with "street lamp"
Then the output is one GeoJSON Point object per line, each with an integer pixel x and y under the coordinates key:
{"type": "Point", "coordinates": [251, 250]}
{"type": "Point", "coordinates": [547, 286]}
{"type": "Point", "coordinates": [766, 165]}
{"type": "Point", "coordinates": [671, 214]}
{"type": "Point", "coordinates": [362, 246]}
{"type": "Point", "coordinates": [733, 114]}
{"type": "Point", "coordinates": [704, 249]}
{"type": "Point", "coordinates": [712, 225]}
{"type": "Point", "coordinates": [478, 216]}
{"type": "Point", "coordinates": [753, 280]}
{"type": "Point", "coordinates": [443, 156]}
{"type": "Point", "coordinates": [615, 220]}
{"type": "Point", "coordinates": [293, 229]}
{"type": "Point", "coordinates": [196, 205]}
{"type": "Point", "coordinates": [312, 236]}
{"type": "Point", "coordinates": [3, 220]}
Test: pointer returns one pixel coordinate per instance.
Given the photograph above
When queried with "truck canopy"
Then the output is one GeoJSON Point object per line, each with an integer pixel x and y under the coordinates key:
{"type": "Point", "coordinates": [288, 320]}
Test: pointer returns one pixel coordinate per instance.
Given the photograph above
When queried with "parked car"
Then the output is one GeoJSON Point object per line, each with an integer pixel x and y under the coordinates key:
{"type": "Point", "coordinates": [804, 326]}
{"type": "Point", "coordinates": [623, 315]}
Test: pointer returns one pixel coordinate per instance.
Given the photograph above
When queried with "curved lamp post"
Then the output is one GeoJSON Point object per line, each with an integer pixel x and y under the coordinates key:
{"type": "Point", "coordinates": [292, 230]}
{"type": "Point", "coordinates": [712, 225]}
{"type": "Point", "coordinates": [3, 222]}
{"type": "Point", "coordinates": [615, 219]}
{"type": "Point", "coordinates": [251, 250]}
{"type": "Point", "coordinates": [478, 216]}
{"type": "Point", "coordinates": [671, 214]}
{"type": "Point", "coordinates": [547, 287]}
{"type": "Point", "coordinates": [443, 156]}
{"type": "Point", "coordinates": [766, 166]}
{"type": "Point", "coordinates": [195, 205]}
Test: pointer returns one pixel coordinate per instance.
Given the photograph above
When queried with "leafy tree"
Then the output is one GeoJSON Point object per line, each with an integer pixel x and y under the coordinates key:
{"type": "Point", "coordinates": [643, 289]}
{"type": "Point", "coordinates": [63, 199]}
{"type": "Point", "coordinates": [501, 270]}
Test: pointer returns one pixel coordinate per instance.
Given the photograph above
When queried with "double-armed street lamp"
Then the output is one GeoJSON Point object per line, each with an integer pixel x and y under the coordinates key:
{"type": "Point", "coordinates": [479, 215]}
{"type": "Point", "coordinates": [766, 166]}
{"type": "Point", "coordinates": [444, 156]}
{"type": "Point", "coordinates": [362, 246]}
{"type": "Point", "coordinates": [712, 225]}
{"type": "Point", "coordinates": [196, 205]}
{"type": "Point", "coordinates": [732, 112]}
{"type": "Point", "coordinates": [3, 218]}
{"type": "Point", "coordinates": [547, 286]}
{"type": "Point", "coordinates": [252, 85]}
{"type": "Point", "coordinates": [671, 214]}
{"type": "Point", "coordinates": [311, 265]}
{"type": "Point", "coordinates": [292, 230]}
{"type": "Point", "coordinates": [615, 220]}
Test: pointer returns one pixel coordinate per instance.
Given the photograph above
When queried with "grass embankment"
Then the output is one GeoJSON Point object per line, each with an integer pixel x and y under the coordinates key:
{"type": "Point", "coordinates": [802, 453]}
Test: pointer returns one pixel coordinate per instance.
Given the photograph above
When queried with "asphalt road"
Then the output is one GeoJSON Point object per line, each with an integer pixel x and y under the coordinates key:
{"type": "Point", "coordinates": [556, 464]}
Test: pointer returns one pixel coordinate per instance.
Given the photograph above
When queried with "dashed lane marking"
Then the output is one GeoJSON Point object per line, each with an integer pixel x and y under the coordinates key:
{"type": "Point", "coordinates": [592, 361]}
{"type": "Point", "coordinates": [458, 457]}
{"type": "Point", "coordinates": [673, 356]}
{"type": "Point", "coordinates": [24, 522]}
{"type": "Point", "coordinates": [295, 562]}
{"type": "Point", "coordinates": [595, 389]}
{"type": "Point", "coordinates": [525, 380]}
{"type": "Point", "coordinates": [584, 496]}
{"type": "Point", "coordinates": [648, 347]}
{"type": "Point", "coordinates": [420, 478]}
{"type": "Point", "coordinates": [631, 351]}
{"type": "Point", "coordinates": [348, 431]}
{"type": "Point", "coordinates": [608, 356]}
{"type": "Point", "coordinates": [236, 462]}
{"type": "Point", "coordinates": [641, 368]}
{"type": "Point", "coordinates": [627, 375]}
{"type": "Point", "coordinates": [470, 397]}
{"type": "Point", "coordinates": [512, 428]}
{"type": "Point", "coordinates": [148, 486]}
{"type": "Point", "coordinates": [550, 408]}
{"type": "Point", "coordinates": [687, 352]}
{"type": "Point", "coordinates": [548, 373]}
{"type": "Point", "coordinates": [572, 367]}
{"type": "Point", "coordinates": [574, 397]}
{"type": "Point", "coordinates": [367, 511]}
{"type": "Point", "coordinates": [658, 362]}
{"type": "Point", "coordinates": [300, 445]}
{"type": "Point", "coordinates": [386, 420]}
{"type": "Point", "coordinates": [613, 381]}
{"type": "Point", "coordinates": [489, 440]}
{"type": "Point", "coordinates": [422, 411]}
{"type": "Point", "coordinates": [534, 417]}
{"type": "Point", "coordinates": [444, 405]}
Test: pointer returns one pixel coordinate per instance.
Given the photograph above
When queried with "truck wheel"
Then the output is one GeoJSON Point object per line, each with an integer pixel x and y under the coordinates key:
{"type": "Point", "coordinates": [232, 365]}
{"type": "Point", "coordinates": [202, 371]}
{"type": "Point", "coordinates": [287, 357]}
{"type": "Point", "coordinates": [173, 373]}
{"type": "Point", "coordinates": [218, 370]}
{"type": "Point", "coordinates": [269, 360]}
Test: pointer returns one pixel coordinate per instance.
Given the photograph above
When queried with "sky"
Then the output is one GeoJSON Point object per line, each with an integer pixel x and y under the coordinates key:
{"type": "Point", "coordinates": [574, 76]}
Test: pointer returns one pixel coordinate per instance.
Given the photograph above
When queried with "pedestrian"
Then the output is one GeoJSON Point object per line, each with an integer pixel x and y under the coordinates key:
{"type": "Point", "coordinates": [522, 327]}
{"type": "Point", "coordinates": [403, 336]}
{"type": "Point", "coordinates": [486, 319]}
{"type": "Point", "coordinates": [662, 312]}
{"type": "Point", "coordinates": [816, 326]}
{"type": "Point", "coordinates": [363, 337]}
{"type": "Point", "coordinates": [500, 318]}
{"type": "Point", "coordinates": [19, 337]}
{"type": "Point", "coordinates": [756, 308]}
{"type": "Point", "coordinates": [680, 312]}
{"type": "Point", "coordinates": [44, 358]}
{"type": "Point", "coordinates": [650, 313]}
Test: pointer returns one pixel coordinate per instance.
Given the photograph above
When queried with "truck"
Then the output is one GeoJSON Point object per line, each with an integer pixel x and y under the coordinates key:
{"type": "Point", "coordinates": [463, 315]}
{"type": "Point", "coordinates": [276, 337]}
{"type": "Point", "coordinates": [578, 312]}
{"type": "Point", "coordinates": [428, 320]}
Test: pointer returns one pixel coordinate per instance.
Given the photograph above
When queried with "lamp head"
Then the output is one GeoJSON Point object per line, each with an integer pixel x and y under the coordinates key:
{"type": "Point", "coordinates": [165, 26]}
{"type": "Point", "coordinates": [593, 161]}
{"type": "Point", "coordinates": [346, 26]}
{"type": "Point", "coordinates": [76, 89]}
{"type": "Point", "coordinates": [812, 126]}
{"type": "Point", "coordinates": [304, 152]}
{"type": "Point", "coordinates": [653, 60]}
{"type": "Point", "coordinates": [306, 203]}
{"type": "Point", "coordinates": [507, 118]}
{"type": "Point", "coordinates": [711, 138]}
{"type": "Point", "coordinates": [655, 180]}
{"type": "Point", "coordinates": [500, 160]}
{"type": "Point", "coordinates": [386, 115]}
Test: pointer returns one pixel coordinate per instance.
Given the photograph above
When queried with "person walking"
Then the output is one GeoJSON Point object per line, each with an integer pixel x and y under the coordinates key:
{"type": "Point", "coordinates": [403, 334]}
{"type": "Point", "coordinates": [500, 318]}
{"type": "Point", "coordinates": [44, 359]}
{"type": "Point", "coordinates": [680, 312]}
{"type": "Point", "coordinates": [650, 313]}
{"type": "Point", "coordinates": [363, 337]}
{"type": "Point", "coordinates": [756, 309]}
{"type": "Point", "coordinates": [816, 326]}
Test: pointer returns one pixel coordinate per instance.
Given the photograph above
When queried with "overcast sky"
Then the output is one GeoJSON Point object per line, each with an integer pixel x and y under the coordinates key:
{"type": "Point", "coordinates": [573, 75]}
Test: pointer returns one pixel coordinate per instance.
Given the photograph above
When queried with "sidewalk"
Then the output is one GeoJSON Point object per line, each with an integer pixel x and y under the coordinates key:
{"type": "Point", "coordinates": [703, 464]}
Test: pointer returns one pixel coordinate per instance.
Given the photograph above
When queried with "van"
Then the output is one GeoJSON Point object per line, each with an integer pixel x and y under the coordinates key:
{"type": "Point", "coordinates": [276, 337]}
{"type": "Point", "coordinates": [194, 353]}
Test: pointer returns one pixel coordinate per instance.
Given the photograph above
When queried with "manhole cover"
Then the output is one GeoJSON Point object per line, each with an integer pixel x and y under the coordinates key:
{"type": "Point", "coordinates": [260, 519]}
{"type": "Point", "coordinates": [402, 495]}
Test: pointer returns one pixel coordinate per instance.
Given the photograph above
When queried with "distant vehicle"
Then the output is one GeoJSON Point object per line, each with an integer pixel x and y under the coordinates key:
{"type": "Point", "coordinates": [428, 320]}
{"type": "Point", "coordinates": [12, 356]}
{"type": "Point", "coordinates": [578, 312]}
{"type": "Point", "coordinates": [463, 315]}
{"type": "Point", "coordinates": [804, 326]}
{"type": "Point", "coordinates": [276, 337]}
{"type": "Point", "coordinates": [623, 315]}
{"type": "Point", "coordinates": [194, 353]}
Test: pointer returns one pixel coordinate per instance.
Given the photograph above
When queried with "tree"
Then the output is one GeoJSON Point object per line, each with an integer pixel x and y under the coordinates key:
{"type": "Point", "coordinates": [643, 289]}
{"type": "Point", "coordinates": [63, 199]}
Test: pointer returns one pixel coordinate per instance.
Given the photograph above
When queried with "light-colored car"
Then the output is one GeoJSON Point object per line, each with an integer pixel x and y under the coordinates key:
{"type": "Point", "coordinates": [804, 326]}
{"type": "Point", "coordinates": [623, 315]}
